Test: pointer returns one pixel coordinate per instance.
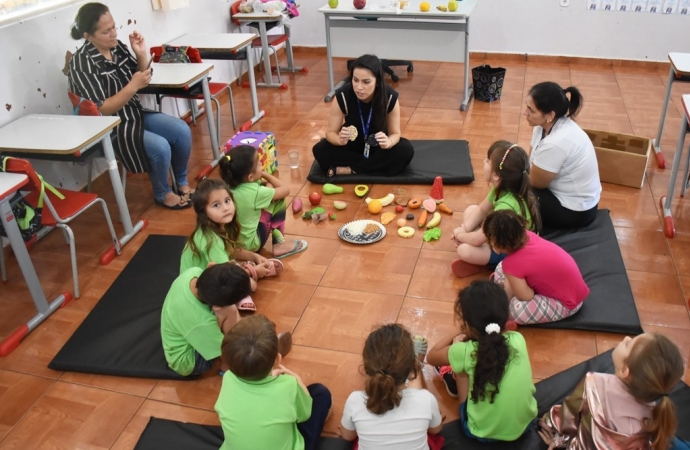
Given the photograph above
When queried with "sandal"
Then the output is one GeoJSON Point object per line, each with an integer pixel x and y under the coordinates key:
{"type": "Point", "coordinates": [284, 343]}
{"type": "Point", "coordinates": [250, 267]}
{"type": "Point", "coordinates": [182, 204]}
{"type": "Point", "coordinates": [187, 195]}
{"type": "Point", "coordinates": [300, 246]}
{"type": "Point", "coordinates": [420, 345]}
{"type": "Point", "coordinates": [246, 304]}
{"type": "Point", "coordinates": [276, 268]}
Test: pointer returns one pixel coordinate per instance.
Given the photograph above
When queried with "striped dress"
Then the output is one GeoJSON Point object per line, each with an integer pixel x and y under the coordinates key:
{"type": "Point", "coordinates": [95, 78]}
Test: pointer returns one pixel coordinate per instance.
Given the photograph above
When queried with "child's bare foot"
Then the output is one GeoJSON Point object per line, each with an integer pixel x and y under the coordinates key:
{"type": "Point", "coordinates": [339, 171]}
{"type": "Point", "coordinates": [288, 248]}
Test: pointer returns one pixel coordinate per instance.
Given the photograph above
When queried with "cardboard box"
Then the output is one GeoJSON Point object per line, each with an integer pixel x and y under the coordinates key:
{"type": "Point", "coordinates": [263, 142]}
{"type": "Point", "coordinates": [622, 158]}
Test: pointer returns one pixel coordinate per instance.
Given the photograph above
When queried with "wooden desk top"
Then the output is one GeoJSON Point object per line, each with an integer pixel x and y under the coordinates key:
{"type": "Point", "coordinates": [49, 133]}
{"type": "Point", "coordinates": [215, 41]}
{"type": "Point", "coordinates": [10, 183]}
{"type": "Point", "coordinates": [178, 75]}
{"type": "Point", "coordinates": [411, 11]}
{"type": "Point", "coordinates": [680, 62]}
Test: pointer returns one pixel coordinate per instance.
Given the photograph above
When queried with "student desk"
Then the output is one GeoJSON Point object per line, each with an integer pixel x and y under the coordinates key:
{"type": "Point", "coordinates": [665, 202]}
{"type": "Point", "coordinates": [679, 71]}
{"type": "Point", "coordinates": [9, 184]}
{"type": "Point", "coordinates": [387, 17]}
{"type": "Point", "coordinates": [59, 136]}
{"type": "Point", "coordinates": [225, 46]}
{"type": "Point", "coordinates": [261, 18]}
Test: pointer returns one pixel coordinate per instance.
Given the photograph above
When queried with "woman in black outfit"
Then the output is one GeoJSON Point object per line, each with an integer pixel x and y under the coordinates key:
{"type": "Point", "coordinates": [363, 134]}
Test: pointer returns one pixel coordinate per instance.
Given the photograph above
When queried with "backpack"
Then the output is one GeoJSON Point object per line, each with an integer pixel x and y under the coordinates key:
{"type": "Point", "coordinates": [173, 54]}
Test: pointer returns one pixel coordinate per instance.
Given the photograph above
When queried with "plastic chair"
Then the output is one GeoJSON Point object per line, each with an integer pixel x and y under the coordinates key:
{"type": "Point", "coordinates": [386, 65]}
{"type": "Point", "coordinates": [196, 93]}
{"type": "Point", "coordinates": [58, 212]}
{"type": "Point", "coordinates": [273, 40]}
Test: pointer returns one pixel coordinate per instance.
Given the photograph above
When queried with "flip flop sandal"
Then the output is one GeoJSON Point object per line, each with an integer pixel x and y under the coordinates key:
{"type": "Point", "coordinates": [250, 267]}
{"type": "Point", "coordinates": [284, 343]}
{"type": "Point", "coordinates": [182, 204]}
{"type": "Point", "coordinates": [247, 304]}
{"type": "Point", "coordinates": [276, 268]}
{"type": "Point", "coordinates": [187, 195]}
{"type": "Point", "coordinates": [300, 246]}
{"type": "Point", "coordinates": [420, 345]}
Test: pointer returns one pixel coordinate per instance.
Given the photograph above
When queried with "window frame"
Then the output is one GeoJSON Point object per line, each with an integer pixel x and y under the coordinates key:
{"type": "Point", "coordinates": [44, 7]}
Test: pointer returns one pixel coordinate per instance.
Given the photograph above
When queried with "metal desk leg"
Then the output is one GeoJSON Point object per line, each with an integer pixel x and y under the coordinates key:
{"type": "Point", "coordinates": [467, 89]}
{"type": "Point", "coordinates": [44, 308]}
{"type": "Point", "coordinates": [656, 143]}
{"type": "Point", "coordinates": [125, 218]}
{"type": "Point", "coordinates": [209, 117]}
{"type": "Point", "coordinates": [329, 59]}
{"type": "Point", "coordinates": [665, 202]}
{"type": "Point", "coordinates": [268, 74]}
{"type": "Point", "coordinates": [290, 59]}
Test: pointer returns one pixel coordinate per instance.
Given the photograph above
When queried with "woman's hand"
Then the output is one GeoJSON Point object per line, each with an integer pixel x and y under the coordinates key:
{"type": "Point", "coordinates": [138, 44]}
{"type": "Point", "coordinates": [384, 141]}
{"type": "Point", "coordinates": [141, 79]}
{"type": "Point", "coordinates": [344, 135]}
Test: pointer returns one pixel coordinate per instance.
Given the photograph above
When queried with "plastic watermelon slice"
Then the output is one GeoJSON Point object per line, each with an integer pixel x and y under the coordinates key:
{"type": "Point", "coordinates": [437, 190]}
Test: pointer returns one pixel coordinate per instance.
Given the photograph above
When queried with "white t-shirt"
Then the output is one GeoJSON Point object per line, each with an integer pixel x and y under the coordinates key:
{"type": "Point", "coordinates": [568, 152]}
{"type": "Point", "coordinates": [402, 428]}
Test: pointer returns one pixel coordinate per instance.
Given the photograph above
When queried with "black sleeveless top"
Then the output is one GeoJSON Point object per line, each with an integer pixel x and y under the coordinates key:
{"type": "Point", "coordinates": [348, 102]}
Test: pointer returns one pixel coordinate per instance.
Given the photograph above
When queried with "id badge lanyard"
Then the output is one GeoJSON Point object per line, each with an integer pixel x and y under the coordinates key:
{"type": "Point", "coordinates": [365, 128]}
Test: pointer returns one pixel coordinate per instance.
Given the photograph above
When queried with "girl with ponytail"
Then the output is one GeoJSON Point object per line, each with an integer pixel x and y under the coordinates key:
{"type": "Point", "coordinates": [491, 367]}
{"type": "Point", "coordinates": [394, 410]}
{"type": "Point", "coordinates": [629, 409]}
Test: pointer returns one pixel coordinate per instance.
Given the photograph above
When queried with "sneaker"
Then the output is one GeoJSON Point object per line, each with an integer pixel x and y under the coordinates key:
{"type": "Point", "coordinates": [448, 378]}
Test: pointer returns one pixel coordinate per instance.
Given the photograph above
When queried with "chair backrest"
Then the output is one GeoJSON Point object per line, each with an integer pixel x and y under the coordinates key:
{"type": "Point", "coordinates": [191, 53]}
{"type": "Point", "coordinates": [82, 106]}
{"type": "Point", "coordinates": [22, 166]}
{"type": "Point", "coordinates": [234, 9]}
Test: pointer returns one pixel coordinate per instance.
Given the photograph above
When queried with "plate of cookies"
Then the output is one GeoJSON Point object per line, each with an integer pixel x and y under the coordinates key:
{"type": "Point", "coordinates": [362, 232]}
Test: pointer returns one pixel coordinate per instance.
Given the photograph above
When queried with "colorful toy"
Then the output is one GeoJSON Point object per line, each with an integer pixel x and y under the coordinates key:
{"type": "Point", "coordinates": [308, 214]}
{"type": "Point", "coordinates": [297, 205]}
{"type": "Point", "coordinates": [432, 234]}
{"type": "Point", "coordinates": [406, 232]}
{"type": "Point", "coordinates": [263, 142]}
{"type": "Point", "coordinates": [387, 218]}
{"type": "Point", "coordinates": [339, 204]}
{"type": "Point", "coordinates": [330, 189]}
{"type": "Point", "coordinates": [414, 203]}
{"type": "Point", "coordinates": [314, 198]}
{"type": "Point", "coordinates": [361, 190]}
{"type": "Point", "coordinates": [430, 205]}
{"type": "Point", "coordinates": [435, 220]}
{"type": "Point", "coordinates": [437, 190]}
{"type": "Point", "coordinates": [385, 201]}
{"type": "Point", "coordinates": [444, 208]}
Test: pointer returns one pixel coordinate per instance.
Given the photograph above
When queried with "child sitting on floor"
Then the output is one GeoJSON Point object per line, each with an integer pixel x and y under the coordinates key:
{"type": "Point", "coordinates": [260, 204]}
{"type": "Point", "coordinates": [216, 235]}
{"type": "Point", "coordinates": [493, 375]}
{"type": "Point", "coordinates": [262, 404]}
{"type": "Point", "coordinates": [394, 410]}
{"type": "Point", "coordinates": [626, 410]}
{"type": "Point", "coordinates": [506, 169]}
{"type": "Point", "coordinates": [198, 310]}
{"type": "Point", "coordinates": [541, 279]}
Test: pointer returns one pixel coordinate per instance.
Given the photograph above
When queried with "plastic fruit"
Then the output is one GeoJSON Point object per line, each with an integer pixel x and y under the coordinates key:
{"type": "Point", "coordinates": [399, 209]}
{"type": "Point", "coordinates": [444, 208]}
{"type": "Point", "coordinates": [359, 4]}
{"type": "Point", "coordinates": [375, 207]}
{"type": "Point", "coordinates": [414, 203]}
{"type": "Point", "coordinates": [387, 218]}
{"type": "Point", "coordinates": [430, 205]}
{"type": "Point", "coordinates": [330, 189]}
{"type": "Point", "coordinates": [385, 201]}
{"type": "Point", "coordinates": [333, 3]}
{"type": "Point", "coordinates": [437, 190]}
{"type": "Point", "coordinates": [424, 6]}
{"type": "Point", "coordinates": [401, 222]}
{"type": "Point", "coordinates": [435, 220]}
{"type": "Point", "coordinates": [297, 205]}
{"type": "Point", "coordinates": [339, 205]}
{"type": "Point", "coordinates": [422, 219]}
{"type": "Point", "coordinates": [452, 5]}
{"type": "Point", "coordinates": [406, 232]}
{"type": "Point", "coordinates": [314, 198]}
{"type": "Point", "coordinates": [410, 217]}
{"type": "Point", "coordinates": [361, 190]}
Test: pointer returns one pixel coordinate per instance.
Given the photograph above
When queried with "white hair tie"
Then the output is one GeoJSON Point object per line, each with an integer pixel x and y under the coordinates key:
{"type": "Point", "coordinates": [492, 328]}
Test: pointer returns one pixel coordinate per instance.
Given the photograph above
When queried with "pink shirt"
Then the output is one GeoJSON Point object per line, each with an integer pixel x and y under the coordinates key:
{"type": "Point", "coordinates": [548, 270]}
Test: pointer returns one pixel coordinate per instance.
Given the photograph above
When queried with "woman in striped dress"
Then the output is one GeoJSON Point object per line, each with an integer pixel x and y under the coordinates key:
{"type": "Point", "coordinates": [105, 72]}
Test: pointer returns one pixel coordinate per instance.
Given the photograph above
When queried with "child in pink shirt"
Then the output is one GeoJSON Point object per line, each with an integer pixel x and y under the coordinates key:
{"type": "Point", "coordinates": [541, 279]}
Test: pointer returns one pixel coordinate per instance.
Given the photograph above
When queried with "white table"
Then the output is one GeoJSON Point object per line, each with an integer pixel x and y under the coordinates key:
{"type": "Point", "coordinates": [184, 76]}
{"type": "Point", "coordinates": [679, 71]}
{"type": "Point", "coordinates": [9, 184]}
{"type": "Point", "coordinates": [665, 202]}
{"type": "Point", "coordinates": [261, 18]}
{"type": "Point", "coordinates": [386, 17]}
{"type": "Point", "coordinates": [229, 44]}
{"type": "Point", "coordinates": [46, 134]}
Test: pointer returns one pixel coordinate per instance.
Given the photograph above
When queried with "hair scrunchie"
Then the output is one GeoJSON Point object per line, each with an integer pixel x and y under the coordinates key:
{"type": "Point", "coordinates": [492, 328]}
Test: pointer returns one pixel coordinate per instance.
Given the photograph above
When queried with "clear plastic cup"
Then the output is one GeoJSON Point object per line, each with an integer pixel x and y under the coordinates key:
{"type": "Point", "coordinates": [293, 156]}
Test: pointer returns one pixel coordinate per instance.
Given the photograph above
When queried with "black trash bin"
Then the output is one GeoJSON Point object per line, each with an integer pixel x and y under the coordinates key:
{"type": "Point", "coordinates": [488, 82]}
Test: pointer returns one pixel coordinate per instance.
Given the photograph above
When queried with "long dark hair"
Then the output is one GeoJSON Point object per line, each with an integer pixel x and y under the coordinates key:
{"type": "Point", "coordinates": [86, 20]}
{"type": "Point", "coordinates": [389, 361]}
{"type": "Point", "coordinates": [229, 233]}
{"type": "Point", "coordinates": [373, 64]}
{"type": "Point", "coordinates": [480, 304]}
{"type": "Point", "coordinates": [237, 165]}
{"type": "Point", "coordinates": [549, 96]}
{"type": "Point", "coordinates": [511, 163]}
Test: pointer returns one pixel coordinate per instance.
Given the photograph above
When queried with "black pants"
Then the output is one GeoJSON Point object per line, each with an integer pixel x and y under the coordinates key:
{"type": "Point", "coordinates": [320, 404]}
{"type": "Point", "coordinates": [381, 162]}
{"type": "Point", "coordinates": [555, 216]}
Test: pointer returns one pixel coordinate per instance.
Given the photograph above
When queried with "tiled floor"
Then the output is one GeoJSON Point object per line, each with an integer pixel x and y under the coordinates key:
{"type": "Point", "coordinates": [333, 294]}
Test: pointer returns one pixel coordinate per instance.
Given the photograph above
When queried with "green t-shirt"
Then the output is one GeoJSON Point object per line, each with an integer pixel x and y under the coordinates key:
{"type": "Point", "coordinates": [250, 199]}
{"type": "Point", "coordinates": [187, 325]}
{"type": "Point", "coordinates": [510, 203]}
{"type": "Point", "coordinates": [215, 253]}
{"type": "Point", "coordinates": [262, 414]}
{"type": "Point", "coordinates": [514, 407]}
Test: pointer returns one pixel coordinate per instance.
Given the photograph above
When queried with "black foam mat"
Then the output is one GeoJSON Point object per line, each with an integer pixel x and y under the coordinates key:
{"type": "Point", "coordinates": [449, 159]}
{"type": "Point", "coordinates": [170, 434]}
{"type": "Point", "coordinates": [121, 335]}
{"type": "Point", "coordinates": [610, 305]}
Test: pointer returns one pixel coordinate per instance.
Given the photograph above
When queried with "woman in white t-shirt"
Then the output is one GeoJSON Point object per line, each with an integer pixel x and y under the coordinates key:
{"type": "Point", "coordinates": [564, 170]}
{"type": "Point", "coordinates": [394, 411]}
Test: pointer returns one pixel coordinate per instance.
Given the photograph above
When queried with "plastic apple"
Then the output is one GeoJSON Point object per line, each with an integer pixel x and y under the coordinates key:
{"type": "Point", "coordinates": [315, 198]}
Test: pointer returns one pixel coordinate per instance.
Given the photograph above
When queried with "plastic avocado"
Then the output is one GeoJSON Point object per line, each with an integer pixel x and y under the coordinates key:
{"type": "Point", "coordinates": [361, 190]}
{"type": "Point", "coordinates": [329, 188]}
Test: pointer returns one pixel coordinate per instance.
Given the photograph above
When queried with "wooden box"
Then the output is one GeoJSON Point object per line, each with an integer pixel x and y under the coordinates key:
{"type": "Point", "coordinates": [622, 158]}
